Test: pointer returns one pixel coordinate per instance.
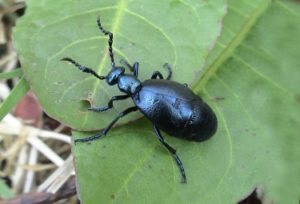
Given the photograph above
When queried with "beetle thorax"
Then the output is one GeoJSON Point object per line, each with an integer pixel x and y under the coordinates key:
{"type": "Point", "coordinates": [128, 84]}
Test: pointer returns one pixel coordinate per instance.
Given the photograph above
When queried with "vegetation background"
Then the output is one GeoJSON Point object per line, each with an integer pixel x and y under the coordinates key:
{"type": "Point", "coordinates": [241, 56]}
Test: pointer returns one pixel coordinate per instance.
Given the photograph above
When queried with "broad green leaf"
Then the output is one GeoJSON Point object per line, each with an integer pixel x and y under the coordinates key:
{"type": "Point", "coordinates": [14, 97]}
{"type": "Point", "coordinates": [242, 16]}
{"type": "Point", "coordinates": [257, 141]}
{"type": "Point", "coordinates": [5, 191]}
{"type": "Point", "coordinates": [255, 93]}
{"type": "Point", "coordinates": [151, 32]}
{"type": "Point", "coordinates": [11, 74]}
{"type": "Point", "coordinates": [260, 112]}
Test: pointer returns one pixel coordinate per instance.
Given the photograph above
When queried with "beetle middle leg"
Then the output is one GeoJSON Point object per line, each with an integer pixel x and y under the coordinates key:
{"type": "Point", "coordinates": [105, 131]}
{"type": "Point", "coordinates": [159, 75]}
{"type": "Point", "coordinates": [110, 103]}
{"type": "Point", "coordinates": [173, 152]}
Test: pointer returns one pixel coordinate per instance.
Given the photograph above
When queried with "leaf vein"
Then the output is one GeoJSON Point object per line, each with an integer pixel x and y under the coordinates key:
{"type": "Point", "coordinates": [262, 75]}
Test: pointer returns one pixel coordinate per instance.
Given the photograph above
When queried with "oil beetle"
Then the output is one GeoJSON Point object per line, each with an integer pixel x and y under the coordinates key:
{"type": "Point", "coordinates": [170, 106]}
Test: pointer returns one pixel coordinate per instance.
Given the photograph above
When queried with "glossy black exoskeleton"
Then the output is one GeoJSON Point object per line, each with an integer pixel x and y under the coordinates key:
{"type": "Point", "coordinates": [170, 106]}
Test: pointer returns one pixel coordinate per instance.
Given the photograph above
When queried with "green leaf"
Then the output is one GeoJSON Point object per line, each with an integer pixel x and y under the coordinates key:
{"type": "Point", "coordinates": [150, 32]}
{"type": "Point", "coordinates": [250, 78]}
{"type": "Point", "coordinates": [242, 16]}
{"type": "Point", "coordinates": [14, 97]}
{"type": "Point", "coordinates": [5, 191]}
{"type": "Point", "coordinates": [11, 74]}
{"type": "Point", "coordinates": [254, 90]}
{"type": "Point", "coordinates": [260, 112]}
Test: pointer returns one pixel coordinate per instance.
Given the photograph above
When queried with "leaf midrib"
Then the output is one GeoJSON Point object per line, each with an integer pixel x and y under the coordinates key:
{"type": "Point", "coordinates": [116, 22]}
{"type": "Point", "coordinates": [241, 34]}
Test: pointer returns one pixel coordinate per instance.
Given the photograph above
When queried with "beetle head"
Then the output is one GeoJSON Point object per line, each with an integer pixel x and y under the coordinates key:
{"type": "Point", "coordinates": [113, 75]}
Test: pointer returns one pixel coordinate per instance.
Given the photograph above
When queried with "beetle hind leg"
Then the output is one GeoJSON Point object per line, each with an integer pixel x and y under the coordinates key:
{"type": "Point", "coordinates": [173, 152]}
{"type": "Point", "coordinates": [90, 138]}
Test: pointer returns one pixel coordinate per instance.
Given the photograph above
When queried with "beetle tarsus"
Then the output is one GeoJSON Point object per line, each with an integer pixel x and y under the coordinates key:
{"type": "Point", "coordinates": [105, 131]}
{"type": "Point", "coordinates": [180, 165]}
{"type": "Point", "coordinates": [90, 138]}
{"type": "Point", "coordinates": [168, 67]}
{"type": "Point", "coordinates": [99, 109]}
{"type": "Point", "coordinates": [172, 151]}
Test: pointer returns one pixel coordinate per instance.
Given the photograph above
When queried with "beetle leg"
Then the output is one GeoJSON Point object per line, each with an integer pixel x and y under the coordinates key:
{"type": "Point", "coordinates": [105, 131]}
{"type": "Point", "coordinates": [172, 151]}
{"type": "Point", "coordinates": [168, 67]}
{"type": "Point", "coordinates": [124, 62]}
{"type": "Point", "coordinates": [159, 75]}
{"type": "Point", "coordinates": [110, 41]}
{"type": "Point", "coordinates": [134, 68]}
{"type": "Point", "coordinates": [110, 104]}
{"type": "Point", "coordinates": [83, 68]}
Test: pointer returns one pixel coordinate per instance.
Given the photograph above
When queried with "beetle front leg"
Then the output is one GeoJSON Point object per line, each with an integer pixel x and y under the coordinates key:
{"type": "Point", "coordinates": [105, 131]}
{"type": "Point", "coordinates": [173, 152]}
{"type": "Point", "coordinates": [110, 104]}
{"type": "Point", "coordinates": [134, 68]}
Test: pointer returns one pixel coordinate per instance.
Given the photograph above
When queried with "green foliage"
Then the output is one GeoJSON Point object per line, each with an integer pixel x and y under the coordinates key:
{"type": "Point", "coordinates": [250, 78]}
{"type": "Point", "coordinates": [15, 95]}
{"type": "Point", "coordinates": [5, 191]}
{"type": "Point", "coordinates": [11, 74]}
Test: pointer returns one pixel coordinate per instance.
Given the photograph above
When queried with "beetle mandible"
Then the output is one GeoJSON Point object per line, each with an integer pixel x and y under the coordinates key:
{"type": "Point", "coordinates": [170, 106]}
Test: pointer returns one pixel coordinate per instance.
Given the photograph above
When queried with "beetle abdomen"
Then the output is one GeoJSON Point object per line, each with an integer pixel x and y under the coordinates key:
{"type": "Point", "coordinates": [195, 121]}
{"type": "Point", "coordinates": [175, 109]}
{"type": "Point", "coordinates": [202, 123]}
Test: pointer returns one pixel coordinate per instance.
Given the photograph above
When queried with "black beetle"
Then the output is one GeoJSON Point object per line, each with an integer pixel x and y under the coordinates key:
{"type": "Point", "coordinates": [170, 106]}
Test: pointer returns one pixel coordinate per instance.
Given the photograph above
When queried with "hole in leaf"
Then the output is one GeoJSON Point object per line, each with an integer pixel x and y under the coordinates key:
{"type": "Point", "coordinates": [85, 104]}
{"type": "Point", "coordinates": [252, 198]}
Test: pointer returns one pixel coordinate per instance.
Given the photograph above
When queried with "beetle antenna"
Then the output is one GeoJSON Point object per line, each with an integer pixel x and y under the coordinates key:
{"type": "Point", "coordinates": [110, 41]}
{"type": "Point", "coordinates": [83, 68]}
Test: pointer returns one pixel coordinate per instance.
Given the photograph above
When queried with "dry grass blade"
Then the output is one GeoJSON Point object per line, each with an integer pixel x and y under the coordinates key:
{"type": "Point", "coordinates": [26, 143]}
